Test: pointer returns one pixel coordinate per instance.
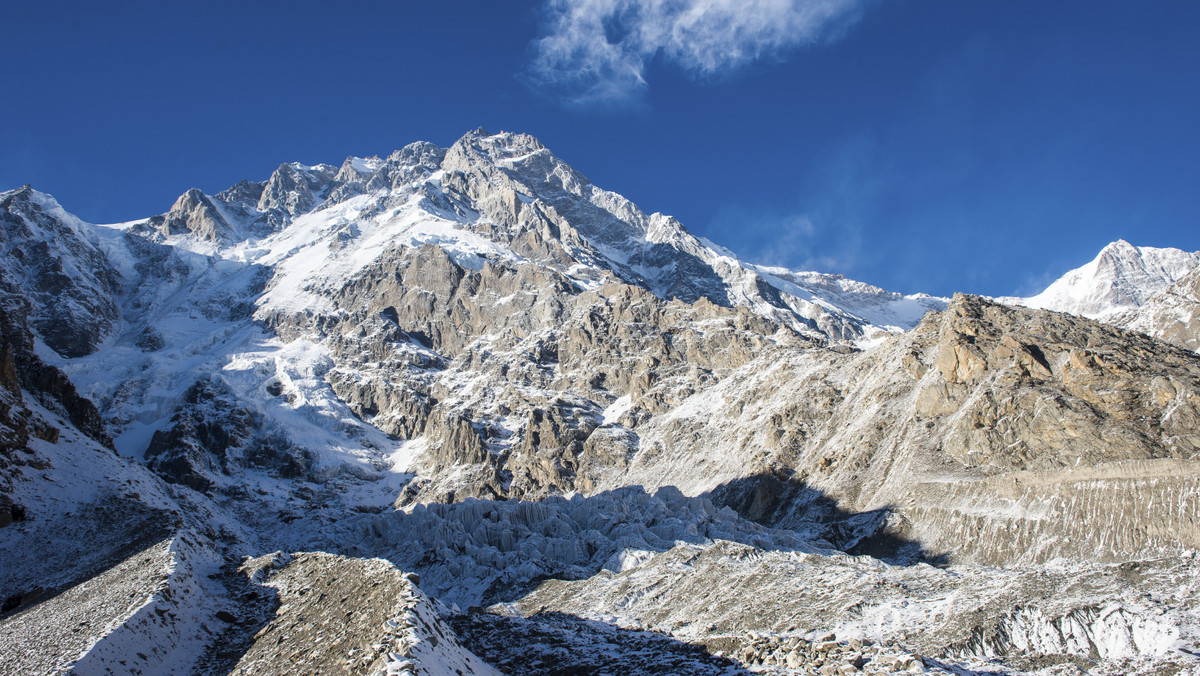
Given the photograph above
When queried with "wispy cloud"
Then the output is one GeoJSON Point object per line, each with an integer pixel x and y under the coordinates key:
{"type": "Point", "coordinates": [795, 240]}
{"type": "Point", "coordinates": [596, 51]}
{"type": "Point", "coordinates": [821, 224]}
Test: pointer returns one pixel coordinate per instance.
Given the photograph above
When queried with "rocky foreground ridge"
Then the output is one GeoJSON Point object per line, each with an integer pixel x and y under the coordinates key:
{"type": "Point", "coordinates": [458, 410]}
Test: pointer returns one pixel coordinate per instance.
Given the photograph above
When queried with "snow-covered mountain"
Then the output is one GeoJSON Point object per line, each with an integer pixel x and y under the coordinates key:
{"type": "Point", "coordinates": [189, 291]}
{"type": "Point", "coordinates": [1146, 289]}
{"type": "Point", "coordinates": [1122, 277]}
{"type": "Point", "coordinates": [499, 197]}
{"type": "Point", "coordinates": [561, 433]}
{"type": "Point", "coordinates": [1172, 314]}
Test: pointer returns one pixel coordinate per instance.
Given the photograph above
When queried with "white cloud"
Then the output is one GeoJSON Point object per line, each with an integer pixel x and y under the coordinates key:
{"type": "Point", "coordinates": [597, 50]}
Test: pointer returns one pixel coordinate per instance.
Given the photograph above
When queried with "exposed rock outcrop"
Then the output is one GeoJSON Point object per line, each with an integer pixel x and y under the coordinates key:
{"type": "Point", "coordinates": [70, 284]}
{"type": "Point", "coordinates": [211, 435]}
{"type": "Point", "coordinates": [988, 433]}
{"type": "Point", "coordinates": [545, 357]}
{"type": "Point", "coordinates": [22, 369]}
{"type": "Point", "coordinates": [194, 213]}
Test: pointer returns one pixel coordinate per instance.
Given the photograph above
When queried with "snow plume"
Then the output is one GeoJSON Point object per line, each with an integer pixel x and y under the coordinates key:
{"type": "Point", "coordinates": [596, 51]}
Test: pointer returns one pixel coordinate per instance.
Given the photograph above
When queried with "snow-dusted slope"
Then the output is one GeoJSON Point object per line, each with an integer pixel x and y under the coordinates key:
{"type": "Point", "coordinates": [884, 312]}
{"type": "Point", "coordinates": [1172, 314]}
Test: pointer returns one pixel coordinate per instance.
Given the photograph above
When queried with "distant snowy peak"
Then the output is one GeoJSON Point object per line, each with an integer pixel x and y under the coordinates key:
{"type": "Point", "coordinates": [1121, 278]}
{"type": "Point", "coordinates": [1155, 291]}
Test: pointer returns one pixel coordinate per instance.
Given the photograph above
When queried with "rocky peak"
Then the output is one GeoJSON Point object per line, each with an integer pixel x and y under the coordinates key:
{"type": "Point", "coordinates": [22, 194]}
{"type": "Point", "coordinates": [522, 163]}
{"type": "Point", "coordinates": [497, 172]}
{"type": "Point", "coordinates": [357, 169]}
{"type": "Point", "coordinates": [513, 192]}
{"type": "Point", "coordinates": [244, 195]}
{"type": "Point", "coordinates": [411, 164]}
{"type": "Point", "coordinates": [489, 148]}
{"type": "Point", "coordinates": [70, 283]}
{"type": "Point", "coordinates": [294, 189]}
{"type": "Point", "coordinates": [195, 214]}
{"type": "Point", "coordinates": [246, 209]}
{"type": "Point", "coordinates": [1119, 249]}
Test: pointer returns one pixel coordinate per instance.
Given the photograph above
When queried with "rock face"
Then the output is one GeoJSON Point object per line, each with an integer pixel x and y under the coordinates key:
{"type": "Point", "coordinates": [14, 420]}
{"type": "Point", "coordinates": [14, 416]}
{"type": "Point", "coordinates": [545, 360]}
{"type": "Point", "coordinates": [988, 434]}
{"type": "Point", "coordinates": [22, 371]}
{"type": "Point", "coordinates": [68, 281]}
{"type": "Point", "coordinates": [211, 434]}
{"type": "Point", "coordinates": [613, 443]}
{"type": "Point", "coordinates": [192, 214]}
{"type": "Point", "coordinates": [22, 368]}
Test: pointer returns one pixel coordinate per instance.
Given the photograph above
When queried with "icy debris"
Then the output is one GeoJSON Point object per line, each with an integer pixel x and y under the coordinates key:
{"type": "Point", "coordinates": [562, 644]}
{"type": "Point", "coordinates": [628, 559]}
{"type": "Point", "coordinates": [464, 549]}
{"type": "Point", "coordinates": [839, 658]}
{"type": "Point", "coordinates": [1110, 632]}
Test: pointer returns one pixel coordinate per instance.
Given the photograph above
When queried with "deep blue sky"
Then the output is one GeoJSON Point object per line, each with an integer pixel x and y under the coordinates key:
{"type": "Point", "coordinates": [934, 146]}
